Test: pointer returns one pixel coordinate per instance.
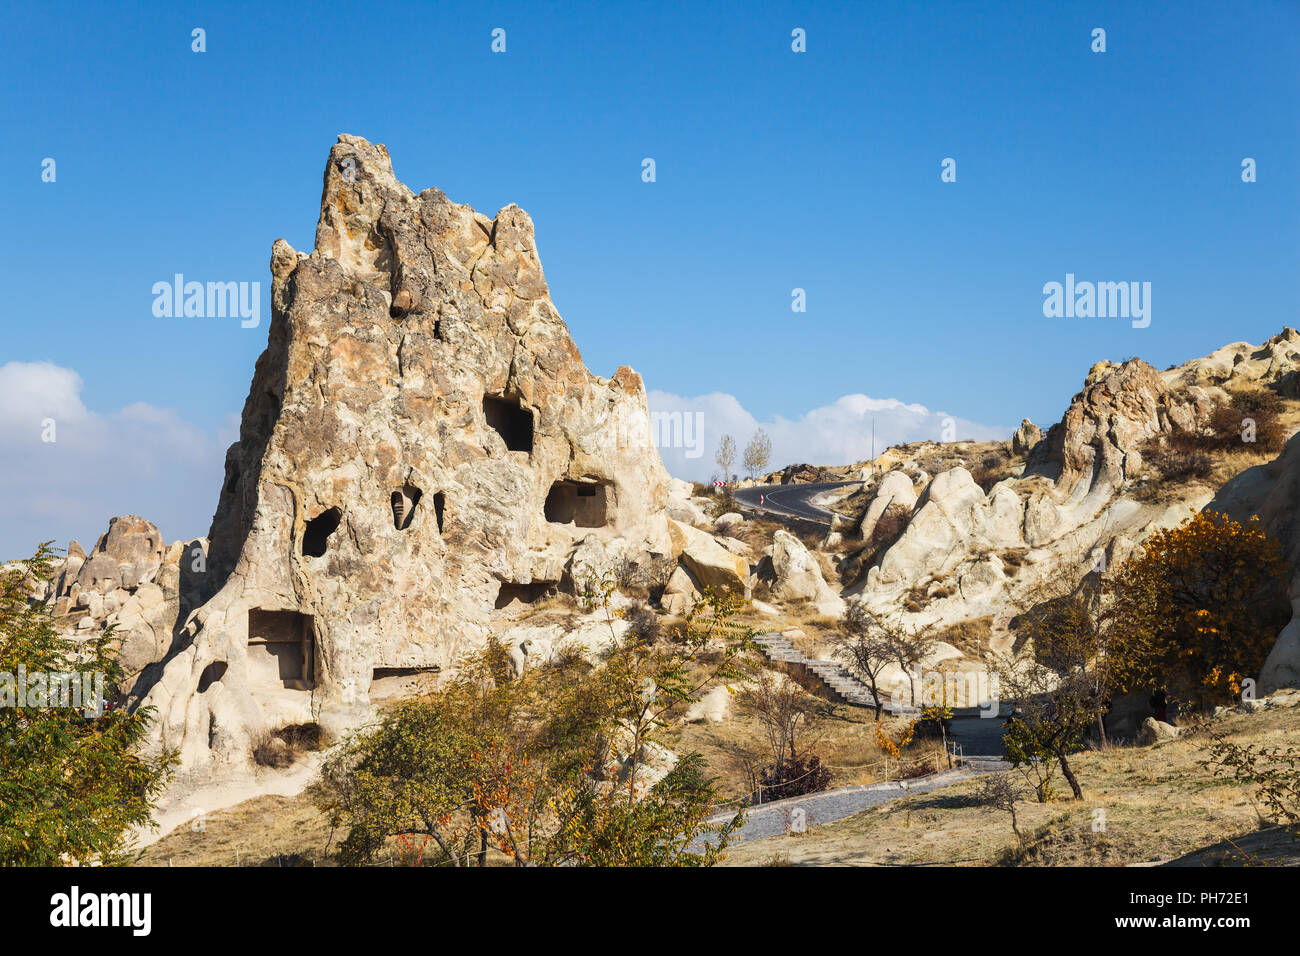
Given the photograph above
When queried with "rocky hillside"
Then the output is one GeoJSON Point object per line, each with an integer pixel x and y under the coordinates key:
{"type": "Point", "coordinates": [422, 453]}
{"type": "Point", "coordinates": [425, 463]}
{"type": "Point", "coordinates": [1136, 450]}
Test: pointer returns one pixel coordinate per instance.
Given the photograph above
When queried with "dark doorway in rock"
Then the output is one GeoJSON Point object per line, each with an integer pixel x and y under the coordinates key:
{"type": "Point", "coordinates": [315, 537]}
{"type": "Point", "coordinates": [584, 504]}
{"type": "Point", "coordinates": [404, 501]}
{"type": "Point", "coordinates": [281, 648]}
{"type": "Point", "coordinates": [439, 506]}
{"type": "Point", "coordinates": [211, 674]}
{"type": "Point", "coordinates": [512, 421]}
{"type": "Point", "coordinates": [523, 593]}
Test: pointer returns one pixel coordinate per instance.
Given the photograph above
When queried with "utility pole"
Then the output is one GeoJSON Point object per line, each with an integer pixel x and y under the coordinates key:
{"type": "Point", "coordinates": [873, 444]}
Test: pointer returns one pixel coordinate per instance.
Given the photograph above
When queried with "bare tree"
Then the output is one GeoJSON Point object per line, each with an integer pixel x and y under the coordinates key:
{"type": "Point", "coordinates": [864, 648]}
{"type": "Point", "coordinates": [999, 791]}
{"type": "Point", "coordinates": [758, 453]}
{"type": "Point", "coordinates": [783, 709]}
{"type": "Point", "coordinates": [726, 456]}
{"type": "Point", "coordinates": [788, 717]}
{"type": "Point", "coordinates": [909, 646]}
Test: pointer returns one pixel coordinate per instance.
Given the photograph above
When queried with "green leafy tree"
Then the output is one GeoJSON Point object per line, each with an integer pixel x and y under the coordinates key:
{"type": "Point", "coordinates": [547, 767]}
{"type": "Point", "coordinates": [72, 786]}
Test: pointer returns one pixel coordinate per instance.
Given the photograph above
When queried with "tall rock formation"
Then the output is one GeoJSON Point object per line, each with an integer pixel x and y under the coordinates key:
{"type": "Point", "coordinates": [421, 445]}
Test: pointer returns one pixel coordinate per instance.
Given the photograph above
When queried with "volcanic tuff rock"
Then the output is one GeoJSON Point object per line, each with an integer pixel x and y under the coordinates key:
{"type": "Point", "coordinates": [133, 583]}
{"type": "Point", "coordinates": [966, 553]}
{"type": "Point", "coordinates": [1025, 437]}
{"type": "Point", "coordinates": [421, 445]}
{"type": "Point", "coordinates": [1120, 407]}
{"type": "Point", "coordinates": [894, 492]}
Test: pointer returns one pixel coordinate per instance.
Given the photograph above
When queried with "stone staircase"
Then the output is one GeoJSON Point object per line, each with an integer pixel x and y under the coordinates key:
{"type": "Point", "coordinates": [835, 678]}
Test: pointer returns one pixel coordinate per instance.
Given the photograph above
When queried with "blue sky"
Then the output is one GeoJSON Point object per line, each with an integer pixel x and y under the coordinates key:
{"type": "Point", "coordinates": [775, 170]}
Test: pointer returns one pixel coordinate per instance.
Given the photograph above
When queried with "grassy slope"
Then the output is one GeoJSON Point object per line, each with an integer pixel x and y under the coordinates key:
{"type": "Point", "coordinates": [1159, 806]}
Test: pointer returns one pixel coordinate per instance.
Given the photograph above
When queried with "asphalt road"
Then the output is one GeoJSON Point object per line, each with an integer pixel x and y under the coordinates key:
{"type": "Point", "coordinates": [792, 500]}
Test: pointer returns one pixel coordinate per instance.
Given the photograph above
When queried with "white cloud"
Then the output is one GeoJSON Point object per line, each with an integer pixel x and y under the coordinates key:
{"type": "Point", "coordinates": [834, 434]}
{"type": "Point", "coordinates": [142, 459]}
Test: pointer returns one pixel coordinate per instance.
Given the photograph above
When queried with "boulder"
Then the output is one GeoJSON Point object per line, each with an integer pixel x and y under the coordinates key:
{"type": "Point", "coordinates": [680, 594]}
{"type": "Point", "coordinates": [795, 576]}
{"type": "Point", "coordinates": [1025, 437]}
{"type": "Point", "coordinates": [713, 707]}
{"type": "Point", "coordinates": [728, 523]}
{"type": "Point", "coordinates": [1156, 732]}
{"type": "Point", "coordinates": [682, 506]}
{"type": "Point", "coordinates": [710, 564]}
{"type": "Point", "coordinates": [894, 492]}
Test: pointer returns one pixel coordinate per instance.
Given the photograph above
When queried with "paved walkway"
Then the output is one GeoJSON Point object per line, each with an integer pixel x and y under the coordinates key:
{"type": "Point", "coordinates": [773, 819]}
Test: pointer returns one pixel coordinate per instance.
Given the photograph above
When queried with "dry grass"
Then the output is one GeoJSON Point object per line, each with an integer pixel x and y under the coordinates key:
{"type": "Point", "coordinates": [267, 831]}
{"type": "Point", "coordinates": [971, 637]}
{"type": "Point", "coordinates": [843, 737]}
{"type": "Point", "coordinates": [1159, 805]}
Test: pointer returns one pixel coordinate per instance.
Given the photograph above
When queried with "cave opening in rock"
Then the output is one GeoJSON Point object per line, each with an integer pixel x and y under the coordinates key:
{"type": "Point", "coordinates": [315, 537]}
{"type": "Point", "coordinates": [439, 506]}
{"type": "Point", "coordinates": [211, 675]}
{"type": "Point", "coordinates": [388, 682]}
{"type": "Point", "coordinates": [281, 648]}
{"type": "Point", "coordinates": [584, 504]}
{"type": "Point", "coordinates": [512, 421]}
{"type": "Point", "coordinates": [530, 593]}
{"type": "Point", "coordinates": [404, 501]}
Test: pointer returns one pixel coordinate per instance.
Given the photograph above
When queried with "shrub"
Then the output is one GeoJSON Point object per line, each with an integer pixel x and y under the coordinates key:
{"type": "Point", "coordinates": [1272, 771]}
{"type": "Point", "coordinates": [1198, 610]}
{"type": "Point", "coordinates": [793, 778]}
{"type": "Point", "coordinates": [282, 748]}
{"type": "Point", "coordinates": [990, 471]}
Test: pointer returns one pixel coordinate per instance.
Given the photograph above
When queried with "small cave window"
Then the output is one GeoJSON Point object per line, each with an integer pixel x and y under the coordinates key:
{"type": "Point", "coordinates": [281, 648]}
{"type": "Point", "coordinates": [387, 682]}
{"type": "Point", "coordinates": [211, 675]}
{"type": "Point", "coordinates": [584, 504]}
{"type": "Point", "coordinates": [512, 421]}
{"type": "Point", "coordinates": [437, 330]}
{"type": "Point", "coordinates": [523, 593]}
{"type": "Point", "coordinates": [404, 501]}
{"type": "Point", "coordinates": [439, 506]}
{"type": "Point", "coordinates": [315, 537]}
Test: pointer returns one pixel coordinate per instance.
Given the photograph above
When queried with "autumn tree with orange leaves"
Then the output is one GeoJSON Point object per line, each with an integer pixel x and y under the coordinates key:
{"type": "Point", "coordinates": [1198, 610]}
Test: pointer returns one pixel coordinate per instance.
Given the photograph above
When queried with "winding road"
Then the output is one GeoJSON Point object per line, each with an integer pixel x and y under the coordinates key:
{"type": "Point", "coordinates": [792, 500]}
